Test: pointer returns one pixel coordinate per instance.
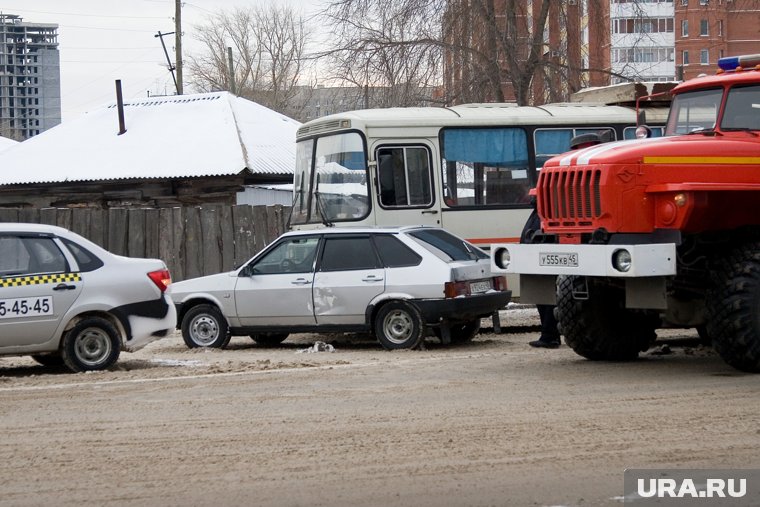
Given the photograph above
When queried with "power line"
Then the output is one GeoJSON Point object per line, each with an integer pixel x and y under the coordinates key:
{"type": "Point", "coordinates": [93, 15]}
{"type": "Point", "coordinates": [107, 29]}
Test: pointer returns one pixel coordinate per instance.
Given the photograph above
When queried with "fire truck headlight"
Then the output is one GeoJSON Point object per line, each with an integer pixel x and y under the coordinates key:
{"type": "Point", "coordinates": [643, 132]}
{"type": "Point", "coordinates": [503, 258]}
{"type": "Point", "coordinates": [621, 260]}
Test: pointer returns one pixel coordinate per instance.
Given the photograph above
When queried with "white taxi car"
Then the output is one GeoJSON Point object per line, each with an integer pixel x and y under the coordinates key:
{"type": "Point", "coordinates": [65, 300]}
{"type": "Point", "coordinates": [394, 282]}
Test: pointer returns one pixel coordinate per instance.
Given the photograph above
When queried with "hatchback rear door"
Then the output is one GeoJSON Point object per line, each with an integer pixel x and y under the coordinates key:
{"type": "Point", "coordinates": [349, 276]}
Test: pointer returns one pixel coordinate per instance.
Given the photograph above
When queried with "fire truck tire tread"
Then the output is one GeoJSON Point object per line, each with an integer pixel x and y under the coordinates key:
{"type": "Point", "coordinates": [733, 320]}
{"type": "Point", "coordinates": [600, 328]}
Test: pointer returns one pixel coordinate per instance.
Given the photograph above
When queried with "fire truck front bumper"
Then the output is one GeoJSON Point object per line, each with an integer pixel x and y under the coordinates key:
{"type": "Point", "coordinates": [644, 267]}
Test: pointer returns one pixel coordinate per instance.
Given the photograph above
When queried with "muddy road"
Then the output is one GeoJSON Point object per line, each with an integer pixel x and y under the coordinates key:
{"type": "Point", "coordinates": [492, 422]}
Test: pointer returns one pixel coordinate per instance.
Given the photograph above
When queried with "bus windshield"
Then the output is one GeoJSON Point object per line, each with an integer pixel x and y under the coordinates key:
{"type": "Point", "coordinates": [336, 189]}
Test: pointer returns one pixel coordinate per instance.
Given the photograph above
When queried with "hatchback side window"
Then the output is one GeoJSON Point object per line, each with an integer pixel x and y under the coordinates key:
{"type": "Point", "coordinates": [292, 255]}
{"type": "Point", "coordinates": [394, 253]}
{"type": "Point", "coordinates": [344, 254]}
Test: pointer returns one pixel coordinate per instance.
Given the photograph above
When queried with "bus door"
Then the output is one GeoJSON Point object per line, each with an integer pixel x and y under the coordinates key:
{"type": "Point", "coordinates": [404, 185]}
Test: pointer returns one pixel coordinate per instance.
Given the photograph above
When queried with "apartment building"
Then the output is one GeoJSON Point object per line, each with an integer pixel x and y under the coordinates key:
{"type": "Point", "coordinates": [30, 77]}
{"type": "Point", "coordinates": [642, 41]}
{"type": "Point", "coordinates": [711, 29]}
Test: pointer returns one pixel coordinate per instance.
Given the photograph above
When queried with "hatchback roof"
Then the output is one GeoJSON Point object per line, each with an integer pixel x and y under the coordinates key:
{"type": "Point", "coordinates": [360, 229]}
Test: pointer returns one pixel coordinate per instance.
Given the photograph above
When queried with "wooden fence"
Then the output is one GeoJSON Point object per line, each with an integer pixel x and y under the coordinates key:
{"type": "Point", "coordinates": [193, 241]}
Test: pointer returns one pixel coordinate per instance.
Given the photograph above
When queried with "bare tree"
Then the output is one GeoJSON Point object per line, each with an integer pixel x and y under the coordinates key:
{"type": "Point", "coordinates": [487, 50]}
{"type": "Point", "coordinates": [269, 55]}
{"type": "Point", "coordinates": [390, 46]}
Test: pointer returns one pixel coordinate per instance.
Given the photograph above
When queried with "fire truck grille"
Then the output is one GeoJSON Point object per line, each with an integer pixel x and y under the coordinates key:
{"type": "Point", "coordinates": [570, 196]}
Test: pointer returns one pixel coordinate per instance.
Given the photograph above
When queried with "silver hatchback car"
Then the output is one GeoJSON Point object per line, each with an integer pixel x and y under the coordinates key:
{"type": "Point", "coordinates": [65, 300]}
{"type": "Point", "coordinates": [397, 283]}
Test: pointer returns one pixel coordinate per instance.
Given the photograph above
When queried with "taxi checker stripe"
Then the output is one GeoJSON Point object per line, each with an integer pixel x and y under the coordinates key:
{"type": "Point", "coordinates": [39, 279]}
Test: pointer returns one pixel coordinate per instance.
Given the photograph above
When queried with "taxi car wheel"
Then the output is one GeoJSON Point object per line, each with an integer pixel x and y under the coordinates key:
{"type": "Point", "coordinates": [205, 326]}
{"type": "Point", "coordinates": [398, 325]}
{"type": "Point", "coordinates": [93, 344]}
{"type": "Point", "coordinates": [269, 338]}
{"type": "Point", "coordinates": [54, 359]}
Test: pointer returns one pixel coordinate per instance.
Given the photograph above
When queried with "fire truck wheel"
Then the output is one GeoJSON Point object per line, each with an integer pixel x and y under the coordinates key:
{"type": "Point", "coordinates": [599, 327]}
{"type": "Point", "coordinates": [733, 308]}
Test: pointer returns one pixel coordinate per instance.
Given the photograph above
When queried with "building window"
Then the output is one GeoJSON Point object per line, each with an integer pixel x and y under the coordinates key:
{"type": "Point", "coordinates": [704, 2]}
{"type": "Point", "coordinates": [720, 27]}
{"type": "Point", "coordinates": [684, 2]}
{"type": "Point", "coordinates": [704, 57]}
{"type": "Point", "coordinates": [704, 28]}
{"type": "Point", "coordinates": [684, 28]}
{"type": "Point", "coordinates": [685, 57]}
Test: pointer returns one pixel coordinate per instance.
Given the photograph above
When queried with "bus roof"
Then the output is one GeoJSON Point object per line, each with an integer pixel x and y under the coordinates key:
{"type": "Point", "coordinates": [472, 114]}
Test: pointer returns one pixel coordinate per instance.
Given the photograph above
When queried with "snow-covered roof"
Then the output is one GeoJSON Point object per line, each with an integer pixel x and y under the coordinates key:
{"type": "Point", "coordinates": [209, 134]}
{"type": "Point", "coordinates": [6, 143]}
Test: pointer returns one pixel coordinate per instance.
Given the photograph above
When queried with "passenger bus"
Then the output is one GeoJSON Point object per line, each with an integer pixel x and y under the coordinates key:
{"type": "Point", "coordinates": [466, 168]}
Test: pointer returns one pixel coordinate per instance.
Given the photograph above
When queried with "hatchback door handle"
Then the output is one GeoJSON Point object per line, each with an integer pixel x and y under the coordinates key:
{"type": "Point", "coordinates": [372, 278]}
{"type": "Point", "coordinates": [63, 286]}
{"type": "Point", "coordinates": [301, 281]}
{"type": "Point", "coordinates": [430, 212]}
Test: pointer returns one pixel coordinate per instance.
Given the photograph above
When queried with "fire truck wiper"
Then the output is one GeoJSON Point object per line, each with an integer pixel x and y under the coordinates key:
{"type": "Point", "coordinates": [740, 129]}
{"type": "Point", "coordinates": [704, 131]}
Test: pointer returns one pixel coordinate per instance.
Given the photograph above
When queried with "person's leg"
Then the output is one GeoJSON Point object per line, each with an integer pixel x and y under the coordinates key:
{"type": "Point", "coordinates": [549, 332]}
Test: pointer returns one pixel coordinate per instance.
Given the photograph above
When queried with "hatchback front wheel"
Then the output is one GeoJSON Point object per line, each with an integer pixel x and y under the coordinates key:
{"type": "Point", "coordinates": [205, 326]}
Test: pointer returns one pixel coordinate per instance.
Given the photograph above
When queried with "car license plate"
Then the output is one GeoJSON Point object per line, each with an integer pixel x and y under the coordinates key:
{"type": "Point", "coordinates": [26, 307]}
{"type": "Point", "coordinates": [558, 259]}
{"type": "Point", "coordinates": [479, 287]}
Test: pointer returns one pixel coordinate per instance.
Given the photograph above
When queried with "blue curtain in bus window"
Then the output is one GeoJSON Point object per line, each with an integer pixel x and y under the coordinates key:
{"type": "Point", "coordinates": [488, 146]}
{"type": "Point", "coordinates": [553, 142]}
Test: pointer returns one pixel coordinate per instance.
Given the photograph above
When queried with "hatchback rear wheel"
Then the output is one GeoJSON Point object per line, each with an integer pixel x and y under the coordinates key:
{"type": "Point", "coordinates": [205, 326]}
{"type": "Point", "coordinates": [92, 344]}
{"type": "Point", "coordinates": [269, 339]}
{"type": "Point", "coordinates": [398, 325]}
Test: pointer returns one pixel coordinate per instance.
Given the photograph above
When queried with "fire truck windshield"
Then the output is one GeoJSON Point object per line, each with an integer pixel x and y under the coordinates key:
{"type": "Point", "coordinates": [694, 111]}
{"type": "Point", "coordinates": [742, 109]}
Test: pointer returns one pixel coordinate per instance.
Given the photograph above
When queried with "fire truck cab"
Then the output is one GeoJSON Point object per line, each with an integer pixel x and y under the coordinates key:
{"type": "Point", "coordinates": [656, 232]}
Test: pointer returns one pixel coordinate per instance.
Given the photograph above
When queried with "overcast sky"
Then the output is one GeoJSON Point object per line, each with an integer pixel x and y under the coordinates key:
{"type": "Point", "coordinates": [104, 40]}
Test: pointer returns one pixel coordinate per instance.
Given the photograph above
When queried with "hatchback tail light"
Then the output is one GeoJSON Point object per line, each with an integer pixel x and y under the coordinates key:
{"type": "Point", "coordinates": [162, 278]}
{"type": "Point", "coordinates": [454, 289]}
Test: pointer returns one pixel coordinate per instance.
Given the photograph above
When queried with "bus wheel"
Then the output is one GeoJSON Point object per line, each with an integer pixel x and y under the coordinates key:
{"type": "Point", "coordinates": [733, 308]}
{"type": "Point", "coordinates": [600, 327]}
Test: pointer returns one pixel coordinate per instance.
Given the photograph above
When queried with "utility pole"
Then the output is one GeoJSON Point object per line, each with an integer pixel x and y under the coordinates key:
{"type": "Point", "coordinates": [178, 43]}
{"type": "Point", "coordinates": [168, 60]}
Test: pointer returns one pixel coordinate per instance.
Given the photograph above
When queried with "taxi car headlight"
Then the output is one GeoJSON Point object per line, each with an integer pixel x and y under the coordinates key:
{"type": "Point", "coordinates": [503, 258]}
{"type": "Point", "coordinates": [621, 260]}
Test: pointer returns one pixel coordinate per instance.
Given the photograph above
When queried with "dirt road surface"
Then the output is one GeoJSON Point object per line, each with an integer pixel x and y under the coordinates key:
{"type": "Point", "coordinates": [490, 423]}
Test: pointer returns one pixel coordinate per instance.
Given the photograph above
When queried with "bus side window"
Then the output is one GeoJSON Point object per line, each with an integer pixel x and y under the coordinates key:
{"type": "Point", "coordinates": [404, 176]}
{"type": "Point", "coordinates": [485, 166]}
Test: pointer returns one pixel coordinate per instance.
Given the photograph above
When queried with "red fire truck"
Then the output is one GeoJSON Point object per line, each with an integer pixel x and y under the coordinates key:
{"type": "Point", "coordinates": [656, 232]}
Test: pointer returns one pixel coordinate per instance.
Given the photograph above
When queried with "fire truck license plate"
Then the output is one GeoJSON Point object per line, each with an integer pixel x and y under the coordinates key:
{"type": "Point", "coordinates": [558, 259]}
